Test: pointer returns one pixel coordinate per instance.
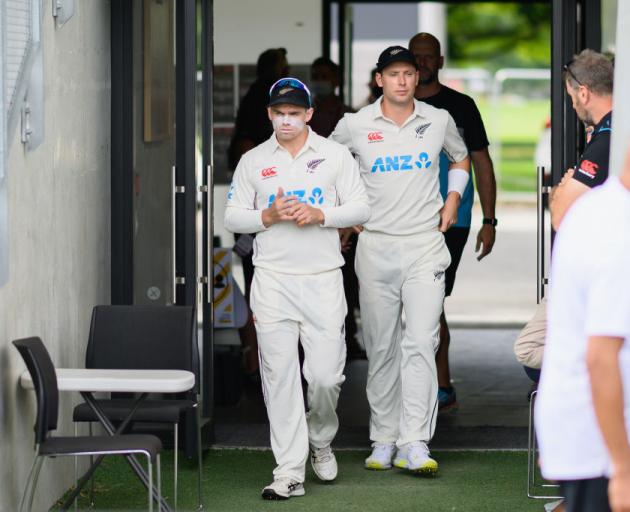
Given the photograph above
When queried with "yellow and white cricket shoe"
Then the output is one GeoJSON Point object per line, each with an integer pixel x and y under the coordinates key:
{"type": "Point", "coordinates": [416, 457]}
{"type": "Point", "coordinates": [381, 457]}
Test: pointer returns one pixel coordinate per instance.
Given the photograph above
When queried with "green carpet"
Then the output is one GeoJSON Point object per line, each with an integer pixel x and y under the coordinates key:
{"type": "Point", "coordinates": [233, 479]}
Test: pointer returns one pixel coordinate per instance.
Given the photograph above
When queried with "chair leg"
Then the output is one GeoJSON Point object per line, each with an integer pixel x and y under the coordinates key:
{"type": "Point", "coordinates": [76, 468]}
{"type": "Point", "coordinates": [38, 467]}
{"type": "Point", "coordinates": [159, 483]}
{"type": "Point", "coordinates": [150, 486]}
{"type": "Point", "coordinates": [28, 483]}
{"type": "Point", "coordinates": [175, 461]}
{"type": "Point", "coordinates": [199, 458]}
{"type": "Point", "coordinates": [91, 499]}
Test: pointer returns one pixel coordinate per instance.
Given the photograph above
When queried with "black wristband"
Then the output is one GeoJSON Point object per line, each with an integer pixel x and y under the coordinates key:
{"type": "Point", "coordinates": [492, 222]}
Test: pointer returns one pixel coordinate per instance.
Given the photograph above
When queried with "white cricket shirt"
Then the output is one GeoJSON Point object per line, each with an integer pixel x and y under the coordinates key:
{"type": "Point", "coordinates": [400, 166]}
{"type": "Point", "coordinates": [589, 296]}
{"type": "Point", "coordinates": [324, 175]}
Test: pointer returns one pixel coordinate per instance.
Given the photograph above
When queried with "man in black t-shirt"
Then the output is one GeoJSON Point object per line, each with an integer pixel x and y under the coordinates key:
{"type": "Point", "coordinates": [589, 82]}
{"type": "Point", "coordinates": [464, 111]}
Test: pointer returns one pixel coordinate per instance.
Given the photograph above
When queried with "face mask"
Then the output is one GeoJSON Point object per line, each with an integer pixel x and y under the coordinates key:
{"type": "Point", "coordinates": [322, 89]}
{"type": "Point", "coordinates": [278, 121]}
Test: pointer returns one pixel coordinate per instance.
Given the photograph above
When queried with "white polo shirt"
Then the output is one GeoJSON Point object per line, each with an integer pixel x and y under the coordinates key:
{"type": "Point", "coordinates": [324, 175]}
{"type": "Point", "coordinates": [400, 166]}
{"type": "Point", "coordinates": [589, 296]}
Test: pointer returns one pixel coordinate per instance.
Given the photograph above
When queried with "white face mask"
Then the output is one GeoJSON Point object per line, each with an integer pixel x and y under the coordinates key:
{"type": "Point", "coordinates": [292, 121]}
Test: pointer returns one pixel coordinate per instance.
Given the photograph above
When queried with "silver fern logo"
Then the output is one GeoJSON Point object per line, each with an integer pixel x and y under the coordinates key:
{"type": "Point", "coordinates": [420, 130]}
{"type": "Point", "coordinates": [313, 164]}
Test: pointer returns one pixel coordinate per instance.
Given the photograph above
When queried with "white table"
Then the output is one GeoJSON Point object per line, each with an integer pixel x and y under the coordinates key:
{"type": "Point", "coordinates": [91, 380]}
{"type": "Point", "coordinates": [119, 381]}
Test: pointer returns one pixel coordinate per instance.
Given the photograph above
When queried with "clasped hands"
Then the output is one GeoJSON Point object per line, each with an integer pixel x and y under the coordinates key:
{"type": "Point", "coordinates": [290, 209]}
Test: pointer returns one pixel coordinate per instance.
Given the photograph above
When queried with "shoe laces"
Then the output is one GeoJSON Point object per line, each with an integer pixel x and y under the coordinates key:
{"type": "Point", "coordinates": [418, 449]}
{"type": "Point", "coordinates": [322, 454]}
{"type": "Point", "coordinates": [382, 449]}
{"type": "Point", "coordinates": [286, 481]}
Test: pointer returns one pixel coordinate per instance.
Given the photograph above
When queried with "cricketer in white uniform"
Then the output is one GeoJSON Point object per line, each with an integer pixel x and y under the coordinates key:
{"type": "Point", "coordinates": [401, 256]}
{"type": "Point", "coordinates": [294, 191]}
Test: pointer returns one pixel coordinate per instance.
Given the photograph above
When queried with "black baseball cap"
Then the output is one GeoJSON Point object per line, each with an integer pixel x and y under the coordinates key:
{"type": "Point", "coordinates": [290, 91]}
{"type": "Point", "coordinates": [395, 54]}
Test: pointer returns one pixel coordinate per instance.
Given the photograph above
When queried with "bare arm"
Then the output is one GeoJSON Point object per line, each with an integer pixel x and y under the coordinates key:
{"type": "Point", "coordinates": [448, 214]}
{"type": "Point", "coordinates": [487, 190]}
{"type": "Point", "coordinates": [563, 196]}
{"type": "Point", "coordinates": [607, 391]}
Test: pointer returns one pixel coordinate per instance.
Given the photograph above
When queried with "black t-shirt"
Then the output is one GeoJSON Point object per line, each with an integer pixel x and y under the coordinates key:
{"type": "Point", "coordinates": [252, 121]}
{"type": "Point", "coordinates": [592, 169]}
{"type": "Point", "coordinates": [465, 114]}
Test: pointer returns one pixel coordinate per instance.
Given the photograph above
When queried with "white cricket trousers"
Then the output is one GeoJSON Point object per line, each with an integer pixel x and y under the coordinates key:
{"type": "Point", "coordinates": [311, 308]}
{"type": "Point", "coordinates": [396, 274]}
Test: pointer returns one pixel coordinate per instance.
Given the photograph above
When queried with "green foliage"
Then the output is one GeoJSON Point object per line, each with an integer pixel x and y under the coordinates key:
{"type": "Point", "coordinates": [496, 35]}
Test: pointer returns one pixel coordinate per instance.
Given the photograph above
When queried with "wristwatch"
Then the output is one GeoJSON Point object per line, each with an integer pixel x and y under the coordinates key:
{"type": "Point", "coordinates": [492, 222]}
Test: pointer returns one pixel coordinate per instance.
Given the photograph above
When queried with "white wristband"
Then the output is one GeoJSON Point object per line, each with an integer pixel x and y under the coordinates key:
{"type": "Point", "coordinates": [457, 180]}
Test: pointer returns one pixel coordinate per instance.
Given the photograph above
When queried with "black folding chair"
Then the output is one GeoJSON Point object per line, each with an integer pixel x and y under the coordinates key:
{"type": "Point", "coordinates": [147, 337]}
{"type": "Point", "coordinates": [42, 372]}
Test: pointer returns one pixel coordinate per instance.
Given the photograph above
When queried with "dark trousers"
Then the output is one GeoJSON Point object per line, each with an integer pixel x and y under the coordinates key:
{"type": "Point", "coordinates": [589, 495]}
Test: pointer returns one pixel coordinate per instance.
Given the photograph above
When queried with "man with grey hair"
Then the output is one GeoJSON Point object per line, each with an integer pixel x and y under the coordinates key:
{"type": "Point", "coordinates": [589, 82]}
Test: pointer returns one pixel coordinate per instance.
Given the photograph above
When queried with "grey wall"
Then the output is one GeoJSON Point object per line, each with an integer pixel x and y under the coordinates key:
{"type": "Point", "coordinates": [59, 236]}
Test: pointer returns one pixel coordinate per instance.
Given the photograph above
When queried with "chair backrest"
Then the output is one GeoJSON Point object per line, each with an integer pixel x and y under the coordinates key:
{"type": "Point", "coordinates": [144, 337]}
{"type": "Point", "coordinates": [42, 371]}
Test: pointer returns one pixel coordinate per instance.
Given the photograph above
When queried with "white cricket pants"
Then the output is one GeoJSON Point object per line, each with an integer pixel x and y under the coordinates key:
{"type": "Point", "coordinates": [396, 274]}
{"type": "Point", "coordinates": [311, 308]}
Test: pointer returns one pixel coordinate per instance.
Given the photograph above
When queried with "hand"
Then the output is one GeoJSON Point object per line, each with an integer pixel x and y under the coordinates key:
{"type": "Point", "coordinates": [567, 176]}
{"type": "Point", "coordinates": [345, 234]}
{"type": "Point", "coordinates": [279, 210]}
{"type": "Point", "coordinates": [448, 213]}
{"type": "Point", "coordinates": [485, 241]}
{"type": "Point", "coordinates": [619, 492]}
{"type": "Point", "coordinates": [303, 214]}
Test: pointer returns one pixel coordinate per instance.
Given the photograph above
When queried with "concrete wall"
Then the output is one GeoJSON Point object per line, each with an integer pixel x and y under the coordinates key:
{"type": "Point", "coordinates": [59, 236]}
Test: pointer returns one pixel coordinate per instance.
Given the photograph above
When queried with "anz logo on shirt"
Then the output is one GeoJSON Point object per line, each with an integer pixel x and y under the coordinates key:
{"type": "Point", "coordinates": [401, 163]}
{"type": "Point", "coordinates": [315, 198]}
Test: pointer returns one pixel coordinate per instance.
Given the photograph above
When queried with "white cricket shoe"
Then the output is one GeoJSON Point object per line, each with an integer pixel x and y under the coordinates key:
{"type": "Point", "coordinates": [381, 457]}
{"type": "Point", "coordinates": [282, 488]}
{"type": "Point", "coordinates": [324, 463]}
{"type": "Point", "coordinates": [415, 457]}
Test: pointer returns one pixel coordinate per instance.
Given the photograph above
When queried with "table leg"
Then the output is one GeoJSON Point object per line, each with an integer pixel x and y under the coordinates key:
{"type": "Point", "coordinates": [133, 462]}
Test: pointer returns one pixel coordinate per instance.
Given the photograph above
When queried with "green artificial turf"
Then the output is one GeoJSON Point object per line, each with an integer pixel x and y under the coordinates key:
{"type": "Point", "coordinates": [233, 479]}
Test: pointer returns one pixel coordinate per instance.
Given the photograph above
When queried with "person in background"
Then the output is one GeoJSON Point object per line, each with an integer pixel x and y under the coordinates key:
{"type": "Point", "coordinates": [427, 51]}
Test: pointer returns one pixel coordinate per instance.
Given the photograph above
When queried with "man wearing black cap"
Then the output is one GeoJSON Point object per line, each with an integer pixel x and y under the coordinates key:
{"type": "Point", "coordinates": [401, 256]}
{"type": "Point", "coordinates": [294, 190]}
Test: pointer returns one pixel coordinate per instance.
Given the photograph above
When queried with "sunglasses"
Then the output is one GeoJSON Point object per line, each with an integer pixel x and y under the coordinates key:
{"type": "Point", "coordinates": [567, 68]}
{"type": "Point", "coordinates": [290, 82]}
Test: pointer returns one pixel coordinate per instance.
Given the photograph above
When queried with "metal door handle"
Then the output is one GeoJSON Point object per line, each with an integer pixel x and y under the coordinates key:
{"type": "Point", "coordinates": [541, 190]}
{"type": "Point", "coordinates": [174, 191]}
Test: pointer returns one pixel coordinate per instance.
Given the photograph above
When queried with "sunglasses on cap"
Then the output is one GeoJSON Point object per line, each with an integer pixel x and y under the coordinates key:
{"type": "Point", "coordinates": [567, 68]}
{"type": "Point", "coordinates": [289, 82]}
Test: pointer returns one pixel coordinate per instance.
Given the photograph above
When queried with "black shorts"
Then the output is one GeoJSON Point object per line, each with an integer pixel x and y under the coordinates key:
{"type": "Point", "coordinates": [455, 239]}
{"type": "Point", "coordinates": [586, 495]}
